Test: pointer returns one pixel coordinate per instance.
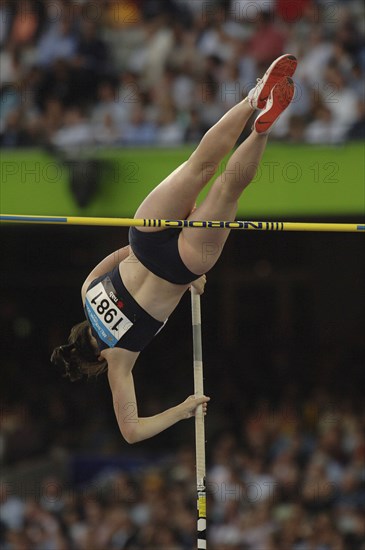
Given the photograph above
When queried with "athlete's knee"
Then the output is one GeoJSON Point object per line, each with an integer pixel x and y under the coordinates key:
{"type": "Point", "coordinates": [210, 251]}
{"type": "Point", "coordinates": [237, 173]}
{"type": "Point", "coordinates": [208, 170]}
{"type": "Point", "coordinates": [203, 166]}
{"type": "Point", "coordinates": [201, 256]}
{"type": "Point", "coordinates": [249, 171]}
{"type": "Point", "coordinates": [226, 193]}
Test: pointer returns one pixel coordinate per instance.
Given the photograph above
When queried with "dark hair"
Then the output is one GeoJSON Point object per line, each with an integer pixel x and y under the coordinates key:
{"type": "Point", "coordinates": [78, 357]}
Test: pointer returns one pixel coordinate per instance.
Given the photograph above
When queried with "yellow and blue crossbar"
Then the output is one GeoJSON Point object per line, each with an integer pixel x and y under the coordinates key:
{"type": "Point", "coordinates": [198, 224]}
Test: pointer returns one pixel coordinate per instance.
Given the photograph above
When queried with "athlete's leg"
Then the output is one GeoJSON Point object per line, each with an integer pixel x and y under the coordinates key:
{"type": "Point", "coordinates": [175, 196]}
{"type": "Point", "coordinates": [201, 248]}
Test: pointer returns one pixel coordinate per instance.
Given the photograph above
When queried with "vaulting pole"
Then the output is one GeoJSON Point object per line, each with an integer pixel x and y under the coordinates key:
{"type": "Point", "coordinates": [199, 422]}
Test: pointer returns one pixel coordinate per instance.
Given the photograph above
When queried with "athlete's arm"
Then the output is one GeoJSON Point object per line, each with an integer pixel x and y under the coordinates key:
{"type": "Point", "coordinates": [132, 427]}
{"type": "Point", "coordinates": [107, 264]}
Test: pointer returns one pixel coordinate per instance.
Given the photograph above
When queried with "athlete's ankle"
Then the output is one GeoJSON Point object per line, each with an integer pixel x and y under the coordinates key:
{"type": "Point", "coordinates": [247, 102]}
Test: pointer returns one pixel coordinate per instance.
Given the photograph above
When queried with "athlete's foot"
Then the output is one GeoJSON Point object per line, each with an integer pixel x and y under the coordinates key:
{"type": "Point", "coordinates": [282, 66]}
{"type": "Point", "coordinates": [279, 99]}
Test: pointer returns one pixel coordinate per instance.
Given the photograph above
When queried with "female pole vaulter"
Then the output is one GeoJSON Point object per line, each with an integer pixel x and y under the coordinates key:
{"type": "Point", "coordinates": [129, 295]}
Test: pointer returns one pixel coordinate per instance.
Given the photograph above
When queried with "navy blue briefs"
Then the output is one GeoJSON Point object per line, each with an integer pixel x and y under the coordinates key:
{"type": "Point", "coordinates": [116, 319]}
{"type": "Point", "coordinates": [158, 251]}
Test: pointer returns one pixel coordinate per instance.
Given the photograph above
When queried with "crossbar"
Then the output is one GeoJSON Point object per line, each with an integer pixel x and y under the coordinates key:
{"type": "Point", "coordinates": [194, 224]}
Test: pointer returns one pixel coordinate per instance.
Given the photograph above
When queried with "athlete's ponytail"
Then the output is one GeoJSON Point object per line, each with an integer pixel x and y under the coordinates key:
{"type": "Point", "coordinates": [78, 357]}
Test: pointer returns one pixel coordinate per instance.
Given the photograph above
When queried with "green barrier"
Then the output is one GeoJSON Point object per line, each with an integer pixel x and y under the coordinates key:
{"type": "Point", "coordinates": [292, 181]}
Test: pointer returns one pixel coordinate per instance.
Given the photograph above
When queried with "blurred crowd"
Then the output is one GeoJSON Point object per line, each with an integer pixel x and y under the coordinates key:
{"type": "Point", "coordinates": [291, 479]}
{"type": "Point", "coordinates": [285, 425]}
{"type": "Point", "coordinates": [161, 72]}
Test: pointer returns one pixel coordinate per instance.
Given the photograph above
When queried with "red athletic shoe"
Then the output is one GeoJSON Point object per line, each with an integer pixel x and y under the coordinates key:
{"type": "Point", "coordinates": [279, 99]}
{"type": "Point", "coordinates": [282, 66]}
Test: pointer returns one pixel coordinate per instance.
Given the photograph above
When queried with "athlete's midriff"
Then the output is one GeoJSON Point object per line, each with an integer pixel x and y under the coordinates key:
{"type": "Point", "coordinates": [157, 296]}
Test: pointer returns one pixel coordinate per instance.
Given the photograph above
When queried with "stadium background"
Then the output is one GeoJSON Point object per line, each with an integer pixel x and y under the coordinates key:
{"type": "Point", "coordinates": [282, 313]}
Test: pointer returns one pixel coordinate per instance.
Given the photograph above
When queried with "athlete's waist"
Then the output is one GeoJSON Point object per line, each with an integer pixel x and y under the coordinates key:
{"type": "Point", "coordinates": [155, 295]}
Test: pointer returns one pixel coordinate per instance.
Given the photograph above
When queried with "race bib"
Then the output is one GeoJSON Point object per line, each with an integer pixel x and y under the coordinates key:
{"type": "Point", "coordinates": [104, 310]}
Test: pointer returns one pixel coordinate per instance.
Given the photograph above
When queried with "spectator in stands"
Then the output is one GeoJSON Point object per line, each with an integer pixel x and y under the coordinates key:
{"type": "Point", "coordinates": [138, 131]}
{"type": "Point", "coordinates": [59, 82]}
{"type": "Point", "coordinates": [26, 23]}
{"type": "Point", "coordinates": [10, 100]}
{"type": "Point", "coordinates": [57, 42]}
{"type": "Point", "coordinates": [12, 508]}
{"type": "Point", "coordinates": [53, 117]}
{"type": "Point", "coordinates": [314, 58]}
{"type": "Point", "coordinates": [14, 134]}
{"type": "Point", "coordinates": [11, 67]}
{"type": "Point", "coordinates": [110, 107]}
{"type": "Point", "coordinates": [75, 132]}
{"type": "Point", "coordinates": [170, 130]}
{"type": "Point", "coordinates": [6, 16]}
{"type": "Point", "coordinates": [267, 42]}
{"type": "Point", "coordinates": [357, 130]}
{"type": "Point", "coordinates": [322, 129]}
{"type": "Point", "coordinates": [195, 129]}
{"type": "Point", "coordinates": [279, 486]}
{"type": "Point", "coordinates": [341, 101]}
{"type": "Point", "coordinates": [296, 129]}
{"type": "Point", "coordinates": [91, 53]}
{"type": "Point", "coordinates": [211, 109]}
{"type": "Point", "coordinates": [167, 50]}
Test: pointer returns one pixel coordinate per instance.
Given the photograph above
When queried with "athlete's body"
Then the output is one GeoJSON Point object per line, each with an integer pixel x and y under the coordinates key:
{"type": "Point", "coordinates": [175, 198]}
